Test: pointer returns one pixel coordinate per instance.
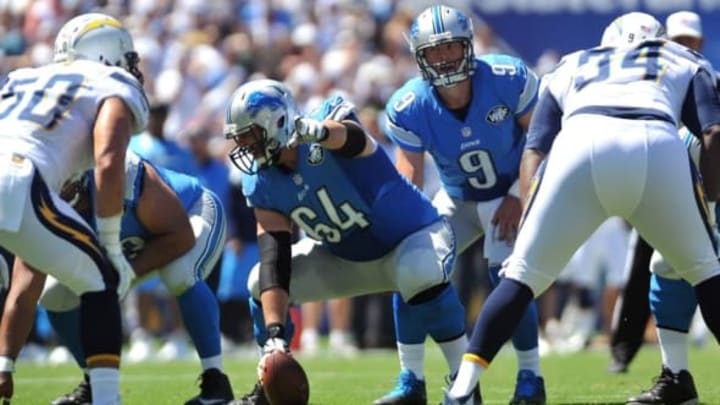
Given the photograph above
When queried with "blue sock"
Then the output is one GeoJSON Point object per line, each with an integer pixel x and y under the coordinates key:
{"type": "Point", "coordinates": [525, 336]}
{"type": "Point", "coordinates": [259, 323]}
{"type": "Point", "coordinates": [672, 302]}
{"type": "Point", "coordinates": [67, 326]}
{"type": "Point", "coordinates": [499, 317]}
{"type": "Point", "coordinates": [442, 316]}
{"type": "Point", "coordinates": [201, 315]}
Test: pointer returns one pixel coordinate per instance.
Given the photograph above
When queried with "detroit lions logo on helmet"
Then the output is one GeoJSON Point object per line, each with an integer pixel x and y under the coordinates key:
{"type": "Point", "coordinates": [316, 155]}
{"type": "Point", "coordinates": [497, 114]}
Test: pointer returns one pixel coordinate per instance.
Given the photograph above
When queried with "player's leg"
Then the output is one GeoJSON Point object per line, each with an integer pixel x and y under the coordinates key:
{"type": "Point", "coordinates": [562, 213]}
{"type": "Point", "coordinates": [673, 304]}
{"type": "Point", "coordinates": [185, 279]}
{"type": "Point", "coordinates": [54, 239]}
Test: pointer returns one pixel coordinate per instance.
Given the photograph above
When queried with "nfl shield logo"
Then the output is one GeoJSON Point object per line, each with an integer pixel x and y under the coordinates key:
{"type": "Point", "coordinates": [497, 114]}
{"type": "Point", "coordinates": [316, 155]}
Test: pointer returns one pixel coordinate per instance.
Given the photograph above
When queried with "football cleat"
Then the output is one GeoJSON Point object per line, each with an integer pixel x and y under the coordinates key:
{"type": "Point", "coordinates": [529, 389]}
{"type": "Point", "coordinates": [81, 395]}
{"type": "Point", "coordinates": [473, 398]}
{"type": "Point", "coordinates": [215, 389]}
{"type": "Point", "coordinates": [669, 389]}
{"type": "Point", "coordinates": [255, 397]}
{"type": "Point", "coordinates": [409, 390]}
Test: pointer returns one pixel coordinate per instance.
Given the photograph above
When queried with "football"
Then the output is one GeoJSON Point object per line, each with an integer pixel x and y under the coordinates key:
{"type": "Point", "coordinates": [284, 380]}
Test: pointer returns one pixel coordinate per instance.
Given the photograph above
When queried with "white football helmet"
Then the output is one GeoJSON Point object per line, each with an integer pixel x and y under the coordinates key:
{"type": "Point", "coordinates": [100, 38]}
{"type": "Point", "coordinates": [440, 25]}
{"type": "Point", "coordinates": [260, 119]}
{"type": "Point", "coordinates": [630, 29]}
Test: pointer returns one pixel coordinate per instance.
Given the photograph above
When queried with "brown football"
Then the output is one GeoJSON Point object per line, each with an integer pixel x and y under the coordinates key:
{"type": "Point", "coordinates": [284, 380]}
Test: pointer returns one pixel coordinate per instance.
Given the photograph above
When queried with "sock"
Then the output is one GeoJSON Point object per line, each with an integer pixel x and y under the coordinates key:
{"type": "Point", "coordinates": [201, 316]}
{"type": "Point", "coordinates": [211, 362]}
{"type": "Point", "coordinates": [674, 350]}
{"type": "Point", "coordinates": [709, 300]}
{"type": "Point", "coordinates": [525, 335]}
{"type": "Point", "coordinates": [105, 386]}
{"type": "Point", "coordinates": [453, 351]}
{"type": "Point", "coordinates": [67, 326]}
{"type": "Point", "coordinates": [498, 318]}
{"type": "Point", "coordinates": [529, 360]}
{"type": "Point", "coordinates": [412, 357]}
{"type": "Point", "coordinates": [466, 379]}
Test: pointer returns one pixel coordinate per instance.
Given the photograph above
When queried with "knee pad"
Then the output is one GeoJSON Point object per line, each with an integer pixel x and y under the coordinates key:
{"type": "Point", "coordinates": [659, 266]}
{"type": "Point", "coordinates": [672, 303]}
{"type": "Point", "coordinates": [58, 298]}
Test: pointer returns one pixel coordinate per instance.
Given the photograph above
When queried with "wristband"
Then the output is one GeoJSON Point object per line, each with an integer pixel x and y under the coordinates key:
{"type": "Point", "coordinates": [7, 365]}
{"type": "Point", "coordinates": [108, 231]}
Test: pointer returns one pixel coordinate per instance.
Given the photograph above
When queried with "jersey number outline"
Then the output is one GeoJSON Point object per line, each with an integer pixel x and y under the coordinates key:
{"type": "Point", "coordinates": [38, 104]}
{"type": "Point", "coordinates": [479, 164]}
{"type": "Point", "coordinates": [646, 57]}
{"type": "Point", "coordinates": [342, 216]}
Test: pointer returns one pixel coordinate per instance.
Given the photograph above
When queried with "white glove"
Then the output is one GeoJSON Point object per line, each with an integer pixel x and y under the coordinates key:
{"type": "Point", "coordinates": [272, 345]}
{"type": "Point", "coordinates": [308, 130]}
{"type": "Point", "coordinates": [108, 229]}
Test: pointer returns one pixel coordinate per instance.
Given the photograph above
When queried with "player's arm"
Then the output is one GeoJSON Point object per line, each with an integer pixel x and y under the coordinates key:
{"type": "Point", "coordinates": [162, 214]}
{"type": "Point", "coordinates": [411, 165]}
{"type": "Point", "coordinates": [19, 312]}
{"type": "Point", "coordinates": [274, 241]}
{"type": "Point", "coordinates": [701, 115]}
{"type": "Point", "coordinates": [346, 138]}
{"type": "Point", "coordinates": [544, 127]}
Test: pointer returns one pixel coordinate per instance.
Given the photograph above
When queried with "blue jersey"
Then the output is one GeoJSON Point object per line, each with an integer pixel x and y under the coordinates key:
{"type": "Point", "coordinates": [361, 208]}
{"type": "Point", "coordinates": [132, 232]}
{"type": "Point", "coordinates": [164, 153]}
{"type": "Point", "coordinates": [478, 158]}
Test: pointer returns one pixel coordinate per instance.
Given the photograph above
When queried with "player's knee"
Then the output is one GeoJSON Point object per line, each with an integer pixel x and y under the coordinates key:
{"type": "Point", "coordinates": [419, 279]}
{"type": "Point", "coordinates": [253, 282]}
{"type": "Point", "coordinates": [660, 267]}
{"type": "Point", "coordinates": [58, 298]}
{"type": "Point", "coordinates": [177, 282]}
{"type": "Point", "coordinates": [536, 280]}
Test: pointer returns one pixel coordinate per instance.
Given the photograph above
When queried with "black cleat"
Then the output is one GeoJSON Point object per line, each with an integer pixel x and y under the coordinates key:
{"type": "Point", "coordinates": [81, 395]}
{"type": "Point", "coordinates": [669, 389]}
{"type": "Point", "coordinates": [215, 389]}
{"type": "Point", "coordinates": [474, 398]}
{"type": "Point", "coordinates": [255, 397]}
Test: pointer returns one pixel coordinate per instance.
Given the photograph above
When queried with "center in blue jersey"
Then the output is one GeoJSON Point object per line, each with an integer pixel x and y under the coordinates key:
{"type": "Point", "coordinates": [361, 208]}
{"type": "Point", "coordinates": [477, 158]}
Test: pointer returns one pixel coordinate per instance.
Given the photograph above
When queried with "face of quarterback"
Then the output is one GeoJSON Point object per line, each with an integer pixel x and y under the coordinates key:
{"type": "Point", "coordinates": [446, 57]}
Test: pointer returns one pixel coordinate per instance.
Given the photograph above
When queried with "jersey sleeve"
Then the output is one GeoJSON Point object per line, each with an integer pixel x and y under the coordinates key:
{"type": "Point", "coordinates": [701, 108]}
{"type": "Point", "coordinates": [516, 82]}
{"type": "Point", "coordinates": [119, 83]}
{"type": "Point", "coordinates": [252, 190]}
{"type": "Point", "coordinates": [403, 115]}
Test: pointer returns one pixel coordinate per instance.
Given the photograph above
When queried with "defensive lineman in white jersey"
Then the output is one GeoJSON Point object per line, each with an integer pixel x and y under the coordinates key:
{"type": "Point", "coordinates": [611, 116]}
{"type": "Point", "coordinates": [55, 122]}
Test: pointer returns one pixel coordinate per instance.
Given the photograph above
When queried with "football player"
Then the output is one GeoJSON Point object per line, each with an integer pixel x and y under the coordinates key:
{"type": "Point", "coordinates": [470, 114]}
{"type": "Point", "coordinates": [171, 225]}
{"type": "Point", "coordinates": [369, 229]}
{"type": "Point", "coordinates": [610, 115]}
{"type": "Point", "coordinates": [60, 120]}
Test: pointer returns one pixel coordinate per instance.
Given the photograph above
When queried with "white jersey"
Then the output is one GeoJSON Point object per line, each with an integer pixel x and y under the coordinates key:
{"type": "Point", "coordinates": [608, 77]}
{"type": "Point", "coordinates": [48, 114]}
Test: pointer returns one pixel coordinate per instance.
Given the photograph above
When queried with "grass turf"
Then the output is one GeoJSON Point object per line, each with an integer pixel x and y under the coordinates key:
{"type": "Point", "coordinates": [573, 379]}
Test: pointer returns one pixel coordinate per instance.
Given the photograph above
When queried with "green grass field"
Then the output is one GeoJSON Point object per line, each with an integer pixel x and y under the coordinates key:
{"type": "Point", "coordinates": [573, 379]}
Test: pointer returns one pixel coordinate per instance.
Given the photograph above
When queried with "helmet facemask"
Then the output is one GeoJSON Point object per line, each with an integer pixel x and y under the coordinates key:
{"type": "Point", "coordinates": [253, 150]}
{"type": "Point", "coordinates": [447, 73]}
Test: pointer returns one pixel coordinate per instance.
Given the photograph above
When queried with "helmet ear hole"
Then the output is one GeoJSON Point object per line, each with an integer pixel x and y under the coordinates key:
{"type": "Point", "coordinates": [281, 122]}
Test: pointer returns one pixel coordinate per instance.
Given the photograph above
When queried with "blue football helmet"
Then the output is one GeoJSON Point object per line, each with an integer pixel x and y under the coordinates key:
{"type": "Point", "coordinates": [260, 120]}
{"type": "Point", "coordinates": [440, 25]}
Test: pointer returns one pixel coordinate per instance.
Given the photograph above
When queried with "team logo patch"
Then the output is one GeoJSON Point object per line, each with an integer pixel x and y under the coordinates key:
{"type": "Point", "coordinates": [316, 155]}
{"type": "Point", "coordinates": [497, 114]}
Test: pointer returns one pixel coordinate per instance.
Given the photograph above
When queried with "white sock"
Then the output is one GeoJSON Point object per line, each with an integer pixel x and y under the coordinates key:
{"type": "Point", "coordinates": [529, 360]}
{"type": "Point", "coordinates": [212, 362]}
{"type": "Point", "coordinates": [453, 351]}
{"type": "Point", "coordinates": [466, 379]}
{"type": "Point", "coordinates": [674, 350]}
{"type": "Point", "coordinates": [105, 385]}
{"type": "Point", "coordinates": [412, 357]}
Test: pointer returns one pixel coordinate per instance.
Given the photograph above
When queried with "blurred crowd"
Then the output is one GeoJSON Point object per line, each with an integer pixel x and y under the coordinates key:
{"type": "Point", "coordinates": [194, 53]}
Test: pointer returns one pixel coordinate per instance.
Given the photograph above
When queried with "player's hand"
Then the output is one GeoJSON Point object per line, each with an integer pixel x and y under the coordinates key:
{"type": "Point", "coordinates": [6, 387]}
{"type": "Point", "coordinates": [272, 345]}
{"type": "Point", "coordinates": [507, 219]}
{"type": "Point", "coordinates": [308, 130]}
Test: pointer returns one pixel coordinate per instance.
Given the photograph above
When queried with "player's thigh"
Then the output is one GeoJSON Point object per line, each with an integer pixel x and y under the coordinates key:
{"type": "Point", "coordinates": [319, 275]}
{"type": "Point", "coordinates": [55, 240]}
{"type": "Point", "coordinates": [207, 220]}
{"type": "Point", "coordinates": [562, 213]}
{"type": "Point", "coordinates": [672, 219]}
{"type": "Point", "coordinates": [58, 298]}
{"type": "Point", "coordinates": [424, 259]}
{"type": "Point", "coordinates": [463, 217]}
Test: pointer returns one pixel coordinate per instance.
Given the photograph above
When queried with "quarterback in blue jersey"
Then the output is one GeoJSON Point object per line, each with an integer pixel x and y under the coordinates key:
{"type": "Point", "coordinates": [369, 229]}
{"type": "Point", "coordinates": [172, 225]}
{"type": "Point", "coordinates": [470, 115]}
